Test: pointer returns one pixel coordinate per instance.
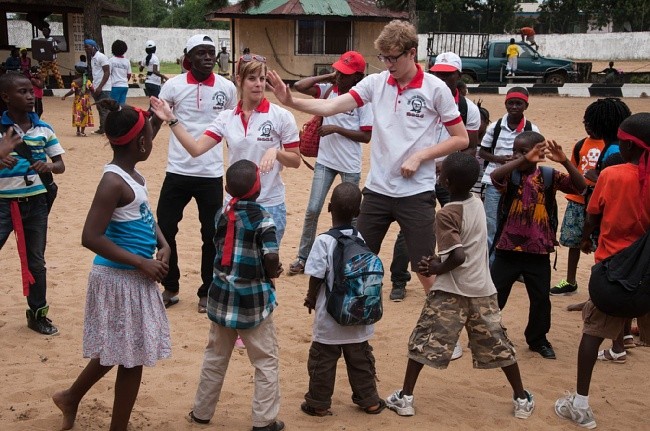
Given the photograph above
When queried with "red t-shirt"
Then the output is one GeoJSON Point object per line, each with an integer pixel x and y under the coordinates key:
{"type": "Point", "coordinates": [527, 31]}
{"type": "Point", "coordinates": [625, 212]}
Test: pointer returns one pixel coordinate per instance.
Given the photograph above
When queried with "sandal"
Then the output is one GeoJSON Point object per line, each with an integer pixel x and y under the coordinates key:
{"type": "Point", "coordinates": [193, 418]}
{"type": "Point", "coordinates": [82, 135]}
{"type": "Point", "coordinates": [203, 304]}
{"type": "Point", "coordinates": [377, 408]}
{"type": "Point", "coordinates": [78, 133]}
{"type": "Point", "coordinates": [297, 267]}
{"type": "Point", "coordinates": [312, 411]}
{"type": "Point", "coordinates": [610, 356]}
{"type": "Point", "coordinates": [628, 342]}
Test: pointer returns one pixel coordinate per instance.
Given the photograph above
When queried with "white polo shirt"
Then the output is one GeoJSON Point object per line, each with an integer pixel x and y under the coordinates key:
{"type": "Point", "coordinates": [269, 126]}
{"type": "Point", "coordinates": [404, 123]}
{"type": "Point", "coordinates": [473, 120]}
{"type": "Point", "coordinates": [335, 150]}
{"type": "Point", "coordinates": [504, 144]}
{"type": "Point", "coordinates": [120, 70]}
{"type": "Point", "coordinates": [97, 63]}
{"type": "Point", "coordinates": [153, 61]}
{"type": "Point", "coordinates": [196, 104]}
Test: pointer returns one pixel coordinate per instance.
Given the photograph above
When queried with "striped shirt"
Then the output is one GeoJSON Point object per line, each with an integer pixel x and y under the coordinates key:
{"type": "Point", "coordinates": [22, 180]}
{"type": "Point", "coordinates": [242, 296]}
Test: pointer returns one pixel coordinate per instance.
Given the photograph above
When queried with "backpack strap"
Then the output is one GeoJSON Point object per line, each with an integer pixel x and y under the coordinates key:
{"type": "Point", "coordinates": [462, 108]}
{"type": "Point", "coordinates": [495, 135]}
{"type": "Point", "coordinates": [337, 258]}
{"type": "Point", "coordinates": [576, 150]}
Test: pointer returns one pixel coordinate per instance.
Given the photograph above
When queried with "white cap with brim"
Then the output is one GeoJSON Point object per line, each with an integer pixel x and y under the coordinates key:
{"type": "Point", "coordinates": [150, 44]}
{"type": "Point", "coordinates": [447, 62]}
{"type": "Point", "coordinates": [199, 39]}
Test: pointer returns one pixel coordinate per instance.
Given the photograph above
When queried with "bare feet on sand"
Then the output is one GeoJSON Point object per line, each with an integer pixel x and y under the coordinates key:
{"type": "Point", "coordinates": [67, 407]}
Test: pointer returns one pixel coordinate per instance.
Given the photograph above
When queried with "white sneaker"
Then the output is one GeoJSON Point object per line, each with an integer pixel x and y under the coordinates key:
{"type": "Point", "coordinates": [458, 351]}
{"type": "Point", "coordinates": [583, 417]}
{"type": "Point", "coordinates": [524, 407]}
{"type": "Point", "coordinates": [401, 404]}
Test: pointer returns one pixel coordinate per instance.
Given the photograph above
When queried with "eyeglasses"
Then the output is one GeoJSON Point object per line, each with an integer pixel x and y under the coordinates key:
{"type": "Point", "coordinates": [250, 57]}
{"type": "Point", "coordinates": [389, 58]}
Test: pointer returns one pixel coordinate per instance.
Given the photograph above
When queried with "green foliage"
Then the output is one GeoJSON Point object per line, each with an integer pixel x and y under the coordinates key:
{"type": "Point", "coordinates": [168, 13]}
{"type": "Point", "coordinates": [568, 16]}
{"type": "Point", "coordinates": [640, 79]}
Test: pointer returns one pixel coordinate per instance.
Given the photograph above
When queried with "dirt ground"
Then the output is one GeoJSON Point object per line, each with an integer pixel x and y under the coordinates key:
{"type": "Point", "coordinates": [460, 398]}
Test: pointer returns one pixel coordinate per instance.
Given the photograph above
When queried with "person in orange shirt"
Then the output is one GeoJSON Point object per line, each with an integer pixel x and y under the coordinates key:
{"type": "Point", "coordinates": [584, 156]}
{"type": "Point", "coordinates": [620, 205]}
{"type": "Point", "coordinates": [528, 35]}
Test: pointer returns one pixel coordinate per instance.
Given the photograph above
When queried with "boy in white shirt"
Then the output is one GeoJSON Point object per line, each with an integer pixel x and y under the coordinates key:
{"type": "Point", "coordinates": [330, 339]}
{"type": "Point", "coordinates": [120, 71]}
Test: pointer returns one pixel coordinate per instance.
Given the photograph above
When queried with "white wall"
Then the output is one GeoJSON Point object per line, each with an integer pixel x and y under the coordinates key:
{"type": "Point", "coordinates": [580, 46]}
{"type": "Point", "coordinates": [170, 42]}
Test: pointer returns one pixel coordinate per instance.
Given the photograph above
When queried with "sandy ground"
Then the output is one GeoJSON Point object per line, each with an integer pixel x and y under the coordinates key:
{"type": "Point", "coordinates": [460, 398]}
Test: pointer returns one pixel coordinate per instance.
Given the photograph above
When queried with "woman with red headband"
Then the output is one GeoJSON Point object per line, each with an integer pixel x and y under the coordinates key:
{"type": "Point", "coordinates": [255, 130]}
{"type": "Point", "coordinates": [620, 206]}
{"type": "Point", "coordinates": [125, 323]}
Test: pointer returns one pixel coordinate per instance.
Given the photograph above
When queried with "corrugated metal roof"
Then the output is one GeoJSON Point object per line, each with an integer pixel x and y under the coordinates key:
{"type": "Point", "coordinates": [267, 6]}
{"type": "Point", "coordinates": [291, 9]}
{"type": "Point", "coordinates": [326, 7]}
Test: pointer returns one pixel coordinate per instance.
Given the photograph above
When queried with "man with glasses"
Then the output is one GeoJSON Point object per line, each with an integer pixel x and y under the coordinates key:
{"type": "Point", "coordinates": [196, 97]}
{"type": "Point", "coordinates": [407, 105]}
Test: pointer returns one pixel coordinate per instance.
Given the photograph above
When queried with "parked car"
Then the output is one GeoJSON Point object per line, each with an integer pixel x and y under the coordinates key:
{"type": "Point", "coordinates": [485, 60]}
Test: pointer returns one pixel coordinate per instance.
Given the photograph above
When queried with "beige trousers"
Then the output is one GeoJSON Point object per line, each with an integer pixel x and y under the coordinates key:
{"type": "Point", "coordinates": [262, 349]}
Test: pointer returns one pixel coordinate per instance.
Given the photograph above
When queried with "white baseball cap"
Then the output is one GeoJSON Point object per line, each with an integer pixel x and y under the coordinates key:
{"type": "Point", "coordinates": [150, 44]}
{"type": "Point", "coordinates": [447, 62]}
{"type": "Point", "coordinates": [199, 39]}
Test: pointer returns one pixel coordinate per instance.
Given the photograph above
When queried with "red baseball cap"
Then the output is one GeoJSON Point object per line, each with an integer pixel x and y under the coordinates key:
{"type": "Point", "coordinates": [350, 62]}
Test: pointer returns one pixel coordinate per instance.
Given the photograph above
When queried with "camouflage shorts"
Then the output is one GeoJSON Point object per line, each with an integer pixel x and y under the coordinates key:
{"type": "Point", "coordinates": [443, 317]}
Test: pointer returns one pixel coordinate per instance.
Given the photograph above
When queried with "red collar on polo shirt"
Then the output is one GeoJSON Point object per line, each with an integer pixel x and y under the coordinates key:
{"type": "Point", "coordinates": [263, 107]}
{"type": "Point", "coordinates": [416, 82]}
{"type": "Point", "coordinates": [209, 81]}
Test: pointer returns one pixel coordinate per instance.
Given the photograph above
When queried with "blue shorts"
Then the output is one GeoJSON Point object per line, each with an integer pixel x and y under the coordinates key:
{"type": "Point", "coordinates": [572, 225]}
{"type": "Point", "coordinates": [119, 94]}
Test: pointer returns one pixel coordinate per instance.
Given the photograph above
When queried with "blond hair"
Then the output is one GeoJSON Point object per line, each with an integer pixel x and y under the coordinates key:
{"type": "Point", "coordinates": [397, 35]}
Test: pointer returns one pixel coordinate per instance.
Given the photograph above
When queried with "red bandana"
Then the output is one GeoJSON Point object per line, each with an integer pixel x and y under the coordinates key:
{"type": "Point", "coordinates": [135, 130]}
{"type": "Point", "coordinates": [229, 212]}
{"type": "Point", "coordinates": [644, 161]}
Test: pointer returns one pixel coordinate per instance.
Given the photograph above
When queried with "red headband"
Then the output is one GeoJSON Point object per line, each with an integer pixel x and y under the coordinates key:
{"type": "Point", "coordinates": [229, 212]}
{"type": "Point", "coordinates": [517, 95]}
{"type": "Point", "coordinates": [644, 161]}
{"type": "Point", "coordinates": [135, 130]}
{"type": "Point", "coordinates": [622, 135]}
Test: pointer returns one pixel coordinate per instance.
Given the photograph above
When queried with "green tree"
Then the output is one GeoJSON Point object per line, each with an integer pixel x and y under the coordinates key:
{"type": "Point", "coordinates": [563, 16]}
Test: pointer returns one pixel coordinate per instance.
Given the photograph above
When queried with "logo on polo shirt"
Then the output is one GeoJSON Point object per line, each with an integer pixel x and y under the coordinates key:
{"type": "Point", "coordinates": [416, 103]}
{"type": "Point", "coordinates": [219, 101]}
{"type": "Point", "coordinates": [265, 131]}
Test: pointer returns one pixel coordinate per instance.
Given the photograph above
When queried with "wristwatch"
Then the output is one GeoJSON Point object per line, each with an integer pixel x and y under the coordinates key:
{"type": "Point", "coordinates": [172, 123]}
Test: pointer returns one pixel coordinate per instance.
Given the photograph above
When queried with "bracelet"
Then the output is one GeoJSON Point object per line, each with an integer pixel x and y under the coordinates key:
{"type": "Point", "coordinates": [172, 123]}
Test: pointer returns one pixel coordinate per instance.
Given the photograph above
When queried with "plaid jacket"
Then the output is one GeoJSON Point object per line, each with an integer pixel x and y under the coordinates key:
{"type": "Point", "coordinates": [242, 296]}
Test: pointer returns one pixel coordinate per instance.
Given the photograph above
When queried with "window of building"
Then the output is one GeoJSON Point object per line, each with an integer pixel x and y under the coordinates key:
{"type": "Point", "coordinates": [323, 37]}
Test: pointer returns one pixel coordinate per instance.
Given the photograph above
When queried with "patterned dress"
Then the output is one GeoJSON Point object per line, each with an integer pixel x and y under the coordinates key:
{"type": "Point", "coordinates": [82, 113]}
{"type": "Point", "coordinates": [125, 322]}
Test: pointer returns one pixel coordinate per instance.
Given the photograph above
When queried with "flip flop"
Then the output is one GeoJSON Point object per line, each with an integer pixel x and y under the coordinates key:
{"type": "Point", "coordinates": [376, 411]}
{"type": "Point", "coordinates": [628, 342]}
{"type": "Point", "coordinates": [311, 411]}
{"type": "Point", "coordinates": [609, 355]}
{"type": "Point", "coordinates": [203, 305]}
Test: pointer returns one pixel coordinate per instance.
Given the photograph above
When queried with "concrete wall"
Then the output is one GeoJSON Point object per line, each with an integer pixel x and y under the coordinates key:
{"type": "Point", "coordinates": [580, 46]}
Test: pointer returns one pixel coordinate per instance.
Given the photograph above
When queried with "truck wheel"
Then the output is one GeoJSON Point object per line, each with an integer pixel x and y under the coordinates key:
{"type": "Point", "coordinates": [467, 78]}
{"type": "Point", "coordinates": [555, 78]}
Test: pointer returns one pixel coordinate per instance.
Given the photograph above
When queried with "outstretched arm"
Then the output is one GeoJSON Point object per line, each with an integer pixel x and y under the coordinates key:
{"type": "Point", "coordinates": [321, 107]}
{"type": "Point", "coordinates": [307, 85]}
{"type": "Point", "coordinates": [195, 147]}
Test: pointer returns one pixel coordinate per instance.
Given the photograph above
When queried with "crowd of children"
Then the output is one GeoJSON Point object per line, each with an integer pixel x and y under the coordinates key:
{"type": "Point", "coordinates": [468, 263]}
